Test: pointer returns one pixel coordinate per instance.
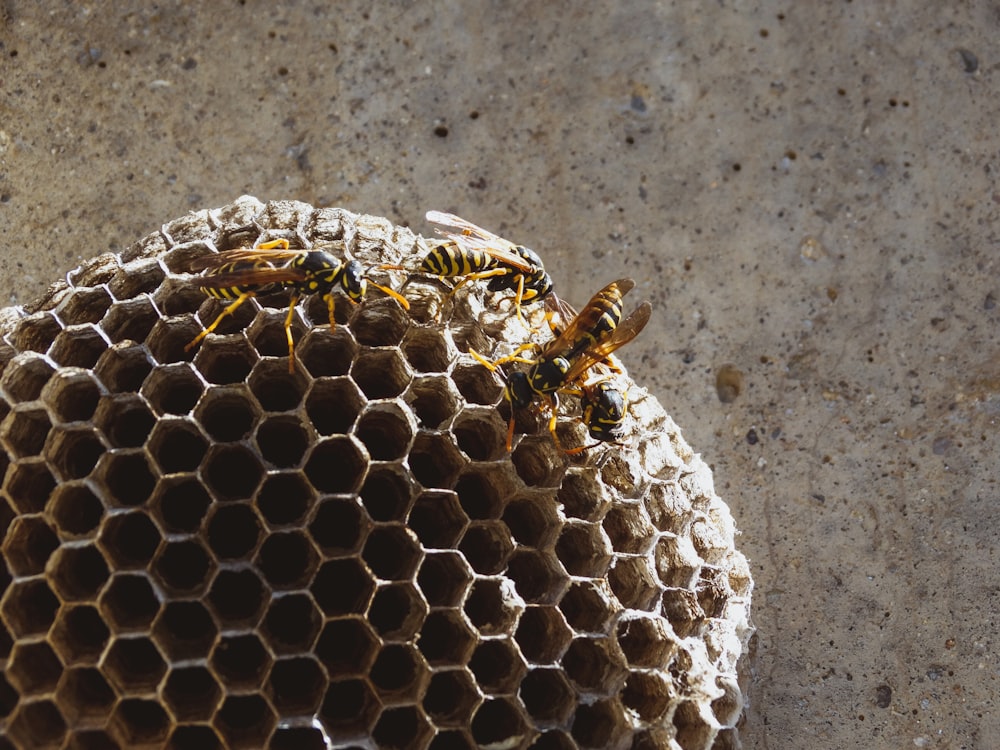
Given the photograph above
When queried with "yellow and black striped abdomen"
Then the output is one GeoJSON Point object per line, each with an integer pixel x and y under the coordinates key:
{"type": "Point", "coordinates": [449, 259]}
{"type": "Point", "coordinates": [233, 292]}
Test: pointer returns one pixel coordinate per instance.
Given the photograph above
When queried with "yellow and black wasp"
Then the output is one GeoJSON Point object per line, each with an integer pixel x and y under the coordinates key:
{"type": "Point", "coordinates": [588, 339]}
{"type": "Point", "coordinates": [238, 275]}
{"type": "Point", "coordinates": [474, 253]}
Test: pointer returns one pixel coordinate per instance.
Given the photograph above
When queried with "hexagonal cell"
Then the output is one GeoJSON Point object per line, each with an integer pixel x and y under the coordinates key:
{"type": "Point", "coordinates": [493, 605]}
{"type": "Point", "coordinates": [134, 665]}
{"type": "Point", "coordinates": [72, 395]}
{"type": "Point", "coordinates": [185, 630]}
{"type": "Point", "coordinates": [539, 462]}
{"type": "Point", "coordinates": [181, 502]}
{"type": "Point", "coordinates": [123, 367]}
{"type": "Point", "coordinates": [677, 562]}
{"type": "Point", "coordinates": [285, 498]}
{"type": "Point", "coordinates": [191, 693]}
{"type": "Point", "coordinates": [173, 389]}
{"type": "Point", "coordinates": [349, 710]}
{"type": "Point", "coordinates": [380, 324]}
{"type": "Point", "coordinates": [589, 606]}
{"type": "Point", "coordinates": [594, 665]}
{"type": "Point", "coordinates": [33, 667]}
{"type": "Point", "coordinates": [129, 540]}
{"type": "Point", "coordinates": [646, 641]}
{"type": "Point", "coordinates": [24, 431]}
{"type": "Point", "coordinates": [628, 527]}
{"type": "Point", "coordinates": [79, 346]}
{"type": "Point", "coordinates": [392, 553]}
{"type": "Point", "coordinates": [28, 544]}
{"type": "Point", "coordinates": [533, 520]}
{"type": "Point", "coordinates": [129, 602]}
{"type": "Point", "coordinates": [73, 451]}
{"type": "Point", "coordinates": [169, 337]}
{"type": "Point", "coordinates": [347, 647]}
{"type": "Point", "coordinates": [225, 361]}
{"type": "Point", "coordinates": [28, 607]}
{"type": "Point", "coordinates": [136, 277]}
{"type": "Point", "coordinates": [84, 306]}
{"type": "Point", "coordinates": [582, 495]}
{"type": "Point", "coordinates": [79, 634]}
{"type": "Point", "coordinates": [477, 385]}
{"type": "Point", "coordinates": [85, 697]}
{"type": "Point", "coordinates": [538, 576]}
{"type": "Point", "coordinates": [481, 491]}
{"type": "Point", "coordinates": [127, 477]}
{"type": "Point", "coordinates": [78, 572]}
{"type": "Point", "coordinates": [130, 320]}
{"type": "Point", "coordinates": [498, 722]}
{"type": "Point", "coordinates": [139, 722]}
{"type": "Point", "coordinates": [233, 532]}
{"type": "Point", "coordinates": [183, 566]}
{"type": "Point", "coordinates": [382, 373]}
{"type": "Point", "coordinates": [232, 472]}
{"type": "Point", "coordinates": [336, 465]}
{"type": "Point", "coordinates": [343, 587]}
{"type": "Point", "coordinates": [386, 494]}
{"type": "Point", "coordinates": [435, 461]}
{"type": "Point", "coordinates": [542, 634]}
{"type": "Point", "coordinates": [327, 353]}
{"type": "Point", "coordinates": [287, 559]}
{"type": "Point", "coordinates": [648, 693]}
{"type": "Point", "coordinates": [547, 696]}
{"type": "Point", "coordinates": [433, 399]}
{"type": "Point", "coordinates": [437, 519]}
{"type": "Point", "coordinates": [267, 331]}
{"type": "Point", "coordinates": [634, 583]}
{"type": "Point", "coordinates": [339, 525]}
{"type": "Point", "coordinates": [386, 431]}
{"type": "Point", "coordinates": [481, 433]}
{"type": "Point", "coordinates": [333, 405]}
{"type": "Point", "coordinates": [693, 730]}
{"type": "Point", "coordinates": [446, 639]}
{"type": "Point", "coordinates": [396, 611]}
{"type": "Point", "coordinates": [194, 736]}
{"type": "Point", "coordinates": [35, 332]}
{"type": "Point", "coordinates": [37, 724]}
{"type": "Point", "coordinates": [487, 545]}
{"type": "Point", "coordinates": [728, 706]}
{"type": "Point", "coordinates": [405, 726]}
{"type": "Point", "coordinates": [283, 441]}
{"type": "Point", "coordinates": [238, 597]}
{"type": "Point", "coordinates": [497, 666]}
{"type": "Point", "coordinates": [443, 578]}
{"type": "Point", "coordinates": [25, 376]}
{"type": "Point", "coordinates": [291, 624]}
{"type": "Point", "coordinates": [583, 549]}
{"type": "Point", "coordinates": [176, 444]}
{"type": "Point", "coordinates": [125, 420]}
{"type": "Point", "coordinates": [452, 697]}
{"type": "Point", "coordinates": [245, 721]}
{"type": "Point", "coordinates": [227, 413]}
{"type": "Point", "coordinates": [277, 389]}
{"type": "Point", "coordinates": [296, 686]}
{"type": "Point", "coordinates": [29, 485]}
{"type": "Point", "coordinates": [240, 661]}
{"type": "Point", "coordinates": [428, 350]}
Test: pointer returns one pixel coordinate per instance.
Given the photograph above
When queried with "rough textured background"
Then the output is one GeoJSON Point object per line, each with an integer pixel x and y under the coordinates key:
{"type": "Point", "coordinates": [805, 191]}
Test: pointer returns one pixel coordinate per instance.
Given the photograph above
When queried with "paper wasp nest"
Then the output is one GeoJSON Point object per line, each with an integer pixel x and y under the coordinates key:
{"type": "Point", "coordinates": [203, 550]}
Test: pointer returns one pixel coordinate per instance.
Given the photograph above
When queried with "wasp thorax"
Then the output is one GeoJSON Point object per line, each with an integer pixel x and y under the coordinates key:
{"type": "Point", "coordinates": [203, 549]}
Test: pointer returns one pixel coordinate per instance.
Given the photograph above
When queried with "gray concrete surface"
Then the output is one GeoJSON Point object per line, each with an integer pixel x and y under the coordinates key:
{"type": "Point", "coordinates": [806, 192]}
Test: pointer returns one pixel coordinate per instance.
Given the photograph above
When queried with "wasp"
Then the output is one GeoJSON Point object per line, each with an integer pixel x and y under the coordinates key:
{"type": "Point", "coordinates": [588, 339]}
{"type": "Point", "coordinates": [238, 275]}
{"type": "Point", "coordinates": [474, 253]}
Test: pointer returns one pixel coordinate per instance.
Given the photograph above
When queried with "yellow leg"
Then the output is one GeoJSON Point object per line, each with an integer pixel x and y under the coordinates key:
{"type": "Point", "coordinates": [512, 357]}
{"type": "Point", "coordinates": [329, 306]}
{"type": "Point", "coordinates": [288, 333]}
{"type": "Point", "coordinates": [392, 293]}
{"type": "Point", "coordinates": [273, 245]}
{"type": "Point", "coordinates": [215, 324]}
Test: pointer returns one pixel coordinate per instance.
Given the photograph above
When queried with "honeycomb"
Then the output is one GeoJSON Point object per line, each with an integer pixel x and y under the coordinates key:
{"type": "Point", "coordinates": [202, 549]}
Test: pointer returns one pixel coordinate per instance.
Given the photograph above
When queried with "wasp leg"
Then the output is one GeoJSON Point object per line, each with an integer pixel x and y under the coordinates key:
{"type": "Point", "coordinates": [512, 357]}
{"type": "Point", "coordinates": [288, 332]}
{"type": "Point", "coordinates": [405, 303]}
{"type": "Point", "coordinates": [274, 245]}
{"type": "Point", "coordinates": [215, 324]}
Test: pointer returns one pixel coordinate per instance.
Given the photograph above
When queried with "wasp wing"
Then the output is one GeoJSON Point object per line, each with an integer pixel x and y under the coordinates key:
{"type": "Point", "coordinates": [475, 237]}
{"type": "Point", "coordinates": [246, 254]}
{"type": "Point", "coordinates": [579, 327]}
{"type": "Point", "coordinates": [600, 350]}
{"type": "Point", "coordinates": [251, 276]}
